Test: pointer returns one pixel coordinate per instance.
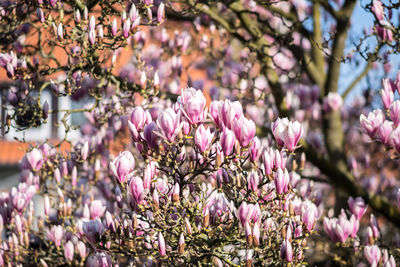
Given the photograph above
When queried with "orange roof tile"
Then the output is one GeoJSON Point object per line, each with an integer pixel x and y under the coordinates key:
{"type": "Point", "coordinates": [11, 152]}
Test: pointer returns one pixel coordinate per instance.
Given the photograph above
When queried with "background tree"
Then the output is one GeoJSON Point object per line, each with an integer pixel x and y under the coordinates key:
{"type": "Point", "coordinates": [278, 58]}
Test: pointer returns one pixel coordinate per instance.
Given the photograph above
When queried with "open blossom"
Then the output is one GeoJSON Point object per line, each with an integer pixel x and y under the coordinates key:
{"type": "Point", "coordinates": [122, 166]}
{"type": "Point", "coordinates": [33, 159]}
{"type": "Point", "coordinates": [371, 123]}
{"type": "Point", "coordinates": [357, 206]}
{"type": "Point", "coordinates": [193, 105]}
{"type": "Point", "coordinates": [372, 254]}
{"type": "Point", "coordinates": [384, 132]}
{"type": "Point", "coordinates": [291, 135]}
{"type": "Point", "coordinates": [248, 212]}
{"type": "Point", "coordinates": [245, 130]}
{"type": "Point", "coordinates": [278, 128]}
{"type": "Point", "coordinates": [203, 138]}
{"type": "Point", "coordinates": [169, 124]}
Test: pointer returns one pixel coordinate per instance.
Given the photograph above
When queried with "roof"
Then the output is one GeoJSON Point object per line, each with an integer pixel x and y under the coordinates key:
{"type": "Point", "coordinates": [12, 152]}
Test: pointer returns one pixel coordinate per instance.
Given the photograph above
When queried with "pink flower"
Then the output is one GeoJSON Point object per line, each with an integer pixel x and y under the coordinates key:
{"type": "Point", "coordinates": [332, 102]}
{"type": "Point", "coordinates": [395, 139]}
{"type": "Point", "coordinates": [247, 212]}
{"type": "Point", "coordinates": [126, 27]}
{"type": "Point", "coordinates": [357, 206]}
{"type": "Point", "coordinates": [227, 141]}
{"type": "Point", "coordinates": [268, 160]}
{"type": "Point", "coordinates": [371, 123]}
{"type": "Point", "coordinates": [149, 174]}
{"type": "Point", "coordinates": [137, 122]}
{"type": "Point", "coordinates": [255, 150]}
{"type": "Point", "coordinates": [245, 130]}
{"type": "Point", "coordinates": [372, 254]}
{"type": "Point", "coordinates": [137, 189]}
{"type": "Point", "coordinates": [193, 103]}
{"type": "Point", "coordinates": [203, 138]}
{"type": "Point", "coordinates": [291, 135]}
{"type": "Point", "coordinates": [253, 179]}
{"type": "Point", "coordinates": [229, 112]}
{"type": "Point", "coordinates": [149, 134]}
{"type": "Point", "coordinates": [287, 251]}
{"type": "Point", "coordinates": [161, 245]}
{"type": "Point", "coordinates": [81, 247]}
{"type": "Point", "coordinates": [378, 10]}
{"type": "Point", "coordinates": [114, 27]}
{"type": "Point", "coordinates": [56, 235]}
{"type": "Point", "coordinates": [278, 128]}
{"type": "Point", "coordinates": [160, 13]}
{"type": "Point", "coordinates": [374, 226]}
{"type": "Point", "coordinates": [69, 251]}
{"type": "Point", "coordinates": [122, 166]}
{"type": "Point", "coordinates": [384, 132]}
{"type": "Point", "coordinates": [33, 159]}
{"type": "Point", "coordinates": [394, 112]}
{"type": "Point", "coordinates": [169, 124]}
{"type": "Point", "coordinates": [308, 217]}
{"type": "Point", "coordinates": [281, 181]}
{"type": "Point", "coordinates": [96, 209]}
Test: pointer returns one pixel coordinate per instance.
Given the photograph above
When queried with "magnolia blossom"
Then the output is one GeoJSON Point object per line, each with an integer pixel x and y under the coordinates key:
{"type": "Point", "coordinates": [203, 138]}
{"type": "Point", "coordinates": [332, 102]}
{"type": "Point", "coordinates": [357, 206]}
{"type": "Point", "coordinates": [169, 124]}
{"type": "Point", "coordinates": [371, 123]}
{"type": "Point", "coordinates": [122, 166]}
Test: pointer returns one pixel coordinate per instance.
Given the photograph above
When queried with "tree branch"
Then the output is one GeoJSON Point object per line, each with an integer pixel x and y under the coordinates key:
{"type": "Point", "coordinates": [317, 38]}
{"type": "Point", "coordinates": [357, 79]}
{"type": "Point", "coordinates": [345, 180]}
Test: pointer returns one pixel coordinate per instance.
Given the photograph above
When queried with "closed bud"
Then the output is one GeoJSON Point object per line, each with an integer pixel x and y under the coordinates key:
{"type": "Point", "coordinates": [69, 251]}
{"type": "Point", "coordinates": [188, 227]}
{"type": "Point", "coordinates": [114, 27]}
{"type": "Point", "coordinates": [46, 205]}
{"type": "Point", "coordinates": [60, 32]}
{"type": "Point", "coordinates": [249, 258]}
{"type": "Point", "coordinates": [206, 218]}
{"type": "Point", "coordinates": [248, 233]}
{"type": "Point", "coordinates": [92, 23]}
{"type": "Point", "coordinates": [77, 16]}
{"type": "Point", "coordinates": [126, 28]}
{"type": "Point", "coordinates": [175, 193]}
{"type": "Point", "coordinates": [161, 245]}
{"type": "Point", "coordinates": [181, 244]}
{"type": "Point", "coordinates": [161, 13]}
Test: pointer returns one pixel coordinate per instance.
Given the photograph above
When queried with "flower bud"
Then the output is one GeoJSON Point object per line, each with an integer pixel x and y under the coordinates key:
{"type": "Point", "coordinates": [161, 13]}
{"type": "Point", "coordinates": [69, 251]}
{"type": "Point", "coordinates": [114, 27]}
{"type": "Point", "coordinates": [161, 245]}
{"type": "Point", "coordinates": [181, 244]}
{"type": "Point", "coordinates": [287, 251]}
{"type": "Point", "coordinates": [227, 141]}
{"type": "Point", "coordinates": [122, 166]}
